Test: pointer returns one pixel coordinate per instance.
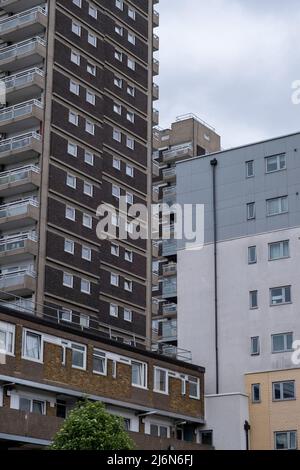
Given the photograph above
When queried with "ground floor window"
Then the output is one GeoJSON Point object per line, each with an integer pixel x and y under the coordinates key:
{"type": "Point", "coordinates": [286, 440]}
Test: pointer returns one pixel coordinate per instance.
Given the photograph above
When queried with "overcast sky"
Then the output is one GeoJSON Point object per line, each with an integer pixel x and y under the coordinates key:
{"type": "Point", "coordinates": [231, 62]}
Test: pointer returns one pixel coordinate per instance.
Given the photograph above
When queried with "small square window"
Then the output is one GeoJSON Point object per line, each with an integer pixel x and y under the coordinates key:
{"type": "Point", "coordinates": [87, 221]}
{"type": "Point", "coordinates": [131, 38]}
{"type": "Point", "coordinates": [75, 58]}
{"type": "Point", "coordinates": [89, 158]}
{"type": "Point", "coordinates": [88, 189]}
{"type": "Point", "coordinates": [130, 63]}
{"type": "Point", "coordinates": [91, 69]}
{"type": "Point", "coordinates": [74, 87]}
{"type": "Point", "coordinates": [116, 191]}
{"type": "Point", "coordinates": [117, 108]}
{"type": "Point", "coordinates": [115, 249]}
{"type": "Point", "coordinates": [73, 118]}
{"type": "Point", "coordinates": [84, 320]}
{"type": "Point", "coordinates": [129, 198]}
{"type": "Point", "coordinates": [66, 315]}
{"type": "Point", "coordinates": [118, 56]}
{"type": "Point", "coordinates": [86, 253]}
{"type": "Point", "coordinates": [68, 280]}
{"type": "Point", "coordinates": [71, 181]}
{"type": "Point", "coordinates": [116, 163]}
{"type": "Point", "coordinates": [129, 256]}
{"type": "Point", "coordinates": [114, 310]}
{"type": "Point", "coordinates": [127, 315]}
{"type": "Point", "coordinates": [130, 143]}
{"type": "Point", "coordinates": [129, 171]}
{"type": "Point", "coordinates": [117, 135]}
{"type": "Point", "coordinates": [118, 82]}
{"type": "Point", "coordinates": [69, 246]}
{"type": "Point", "coordinates": [70, 213]}
{"type": "Point", "coordinates": [93, 12]}
{"type": "Point", "coordinates": [131, 90]}
{"type": "Point", "coordinates": [114, 279]}
{"type": "Point", "coordinates": [90, 127]}
{"type": "Point", "coordinates": [91, 97]}
{"type": "Point", "coordinates": [76, 28]}
{"type": "Point", "coordinates": [119, 4]}
{"type": "Point", "coordinates": [119, 30]}
{"type": "Point", "coordinates": [72, 149]}
{"type": "Point", "coordinates": [128, 285]}
{"type": "Point", "coordinates": [92, 39]}
{"type": "Point", "coordinates": [85, 286]}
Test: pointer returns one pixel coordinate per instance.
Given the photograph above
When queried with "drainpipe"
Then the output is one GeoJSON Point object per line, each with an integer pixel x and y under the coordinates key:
{"type": "Point", "coordinates": [247, 428]}
{"type": "Point", "coordinates": [214, 164]}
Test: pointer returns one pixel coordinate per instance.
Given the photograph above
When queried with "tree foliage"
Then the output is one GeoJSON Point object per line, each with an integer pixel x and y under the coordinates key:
{"type": "Point", "coordinates": [90, 427]}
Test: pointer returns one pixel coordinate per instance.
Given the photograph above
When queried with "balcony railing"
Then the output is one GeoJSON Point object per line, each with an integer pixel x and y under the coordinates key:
{"type": "Point", "coordinates": [15, 278]}
{"type": "Point", "coordinates": [169, 269]}
{"type": "Point", "coordinates": [169, 287]}
{"type": "Point", "coordinates": [18, 174]}
{"type": "Point", "coordinates": [21, 48]}
{"type": "Point", "coordinates": [19, 110]}
{"type": "Point", "coordinates": [179, 153]}
{"type": "Point", "coordinates": [19, 142]}
{"type": "Point", "coordinates": [14, 243]}
{"type": "Point", "coordinates": [16, 208]}
{"type": "Point", "coordinates": [169, 247]}
{"type": "Point", "coordinates": [169, 330]}
{"type": "Point", "coordinates": [169, 309]}
{"type": "Point", "coordinates": [20, 19]}
{"type": "Point", "coordinates": [169, 173]}
{"type": "Point", "coordinates": [22, 78]}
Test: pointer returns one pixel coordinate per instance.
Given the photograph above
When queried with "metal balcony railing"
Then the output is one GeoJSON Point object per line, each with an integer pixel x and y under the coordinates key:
{"type": "Point", "coordinates": [177, 153]}
{"type": "Point", "coordinates": [22, 78]}
{"type": "Point", "coordinates": [169, 173]}
{"type": "Point", "coordinates": [169, 330]}
{"type": "Point", "coordinates": [20, 19]}
{"type": "Point", "coordinates": [169, 308]}
{"type": "Point", "coordinates": [18, 174]}
{"type": "Point", "coordinates": [15, 278]}
{"type": "Point", "coordinates": [17, 208]}
{"type": "Point", "coordinates": [14, 243]}
{"type": "Point", "coordinates": [19, 110]}
{"type": "Point", "coordinates": [18, 142]}
{"type": "Point", "coordinates": [21, 48]}
{"type": "Point", "coordinates": [170, 269]}
{"type": "Point", "coordinates": [169, 287]}
{"type": "Point", "coordinates": [169, 247]}
{"type": "Point", "coordinates": [169, 191]}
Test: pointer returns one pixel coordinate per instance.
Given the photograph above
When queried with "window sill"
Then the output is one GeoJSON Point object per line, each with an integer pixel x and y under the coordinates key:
{"type": "Point", "coordinates": [160, 392]}
{"type": "Point", "coordinates": [139, 386]}
{"type": "Point", "coordinates": [279, 305]}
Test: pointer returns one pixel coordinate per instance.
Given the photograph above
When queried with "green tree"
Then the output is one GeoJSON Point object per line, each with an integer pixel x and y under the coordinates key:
{"type": "Point", "coordinates": [90, 427]}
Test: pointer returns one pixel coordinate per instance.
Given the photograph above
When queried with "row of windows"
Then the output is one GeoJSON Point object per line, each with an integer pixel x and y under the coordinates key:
{"type": "Point", "coordinates": [115, 251]}
{"type": "Point", "coordinates": [115, 281]}
{"type": "Point", "coordinates": [281, 391]}
{"type": "Point", "coordinates": [90, 96]}
{"type": "Point", "coordinates": [89, 157]}
{"type": "Point", "coordinates": [275, 206]}
{"type": "Point", "coordinates": [71, 181]}
{"type": "Point", "coordinates": [276, 251]}
{"type": "Point", "coordinates": [117, 165]}
{"type": "Point", "coordinates": [68, 281]}
{"type": "Point", "coordinates": [280, 343]}
{"type": "Point", "coordinates": [273, 164]}
{"type": "Point", "coordinates": [87, 220]}
{"type": "Point", "coordinates": [93, 12]}
{"type": "Point", "coordinates": [130, 36]}
{"type": "Point", "coordinates": [117, 136]}
{"type": "Point", "coordinates": [86, 252]}
{"type": "Point", "coordinates": [114, 312]}
{"type": "Point", "coordinates": [89, 125]}
{"type": "Point", "coordinates": [131, 11]}
{"type": "Point", "coordinates": [118, 82]}
{"type": "Point", "coordinates": [117, 107]}
{"type": "Point", "coordinates": [116, 192]}
{"type": "Point", "coordinates": [278, 296]}
{"type": "Point", "coordinates": [33, 350]}
{"type": "Point", "coordinates": [118, 55]}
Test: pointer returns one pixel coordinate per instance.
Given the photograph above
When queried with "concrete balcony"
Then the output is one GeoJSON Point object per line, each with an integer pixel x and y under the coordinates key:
{"type": "Point", "coordinates": [155, 42]}
{"type": "Point", "coordinates": [155, 194]}
{"type": "Point", "coordinates": [21, 116]}
{"type": "Point", "coordinates": [155, 67]}
{"type": "Point", "coordinates": [155, 19]}
{"type": "Point", "coordinates": [23, 25]}
{"type": "Point", "coordinates": [169, 309]}
{"type": "Point", "coordinates": [170, 269]}
{"type": "Point", "coordinates": [16, 6]}
{"type": "Point", "coordinates": [155, 279]}
{"type": "Point", "coordinates": [18, 214]}
{"type": "Point", "coordinates": [156, 169]}
{"type": "Point", "coordinates": [169, 247]}
{"type": "Point", "coordinates": [24, 86]}
{"type": "Point", "coordinates": [169, 287]}
{"type": "Point", "coordinates": [23, 55]}
{"type": "Point", "coordinates": [155, 92]}
{"type": "Point", "coordinates": [15, 249]}
{"type": "Point", "coordinates": [155, 306]}
{"type": "Point", "coordinates": [155, 117]}
{"type": "Point", "coordinates": [178, 154]}
{"type": "Point", "coordinates": [156, 248]}
{"type": "Point", "coordinates": [20, 148]}
{"type": "Point", "coordinates": [169, 174]}
{"type": "Point", "coordinates": [21, 282]}
{"type": "Point", "coordinates": [23, 180]}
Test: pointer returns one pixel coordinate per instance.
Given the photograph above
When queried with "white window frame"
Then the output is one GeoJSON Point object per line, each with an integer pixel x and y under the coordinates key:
{"type": "Point", "coordinates": [24, 335]}
{"type": "Point", "coordinates": [77, 3]}
{"type": "Point", "coordinates": [285, 340]}
{"type": "Point", "coordinates": [131, 13]}
{"type": "Point", "coordinates": [281, 249]}
{"type": "Point", "coordinates": [114, 279]}
{"type": "Point", "coordinates": [88, 189]}
{"type": "Point", "coordinates": [116, 163]}
{"type": "Point", "coordinates": [278, 163]}
{"type": "Point", "coordinates": [254, 260]}
{"type": "Point", "coordinates": [73, 346]}
{"type": "Point", "coordinates": [92, 39]}
{"type": "Point", "coordinates": [82, 289]}
{"type": "Point", "coordinates": [88, 250]}
{"type": "Point", "coordinates": [91, 69]}
{"type": "Point", "coordinates": [71, 181]}
{"type": "Point", "coordinates": [128, 258]}
{"type": "Point", "coordinates": [116, 191]}
{"type": "Point", "coordinates": [281, 201]}
{"type": "Point", "coordinates": [102, 355]}
{"type": "Point", "coordinates": [66, 311]}
{"type": "Point", "coordinates": [249, 174]}
{"type": "Point", "coordinates": [127, 314]}
{"type": "Point", "coordinates": [129, 283]}
{"type": "Point", "coordinates": [93, 11]}
{"type": "Point", "coordinates": [281, 390]}
{"type": "Point", "coordinates": [195, 381]}
{"type": "Point", "coordinates": [288, 433]}
{"type": "Point", "coordinates": [84, 320]}
{"type": "Point", "coordinates": [119, 4]}
{"type": "Point", "coordinates": [69, 208]}
{"type": "Point", "coordinates": [87, 217]}
{"type": "Point", "coordinates": [90, 154]}
{"type": "Point", "coordinates": [117, 135]}
{"type": "Point", "coordinates": [118, 82]}
{"type": "Point", "coordinates": [91, 97]}
{"type": "Point", "coordinates": [72, 149]}
{"type": "Point", "coordinates": [74, 87]}
{"type": "Point", "coordinates": [75, 57]}
{"type": "Point", "coordinates": [118, 55]}
{"type": "Point", "coordinates": [131, 90]}
{"type": "Point", "coordinates": [131, 64]}
{"type": "Point", "coordinates": [115, 252]}
{"type": "Point", "coordinates": [74, 115]}
{"type": "Point", "coordinates": [129, 198]}
{"type": "Point", "coordinates": [117, 108]}
{"type": "Point", "coordinates": [119, 30]}
{"type": "Point", "coordinates": [250, 215]}
{"type": "Point", "coordinates": [253, 400]}
{"type": "Point", "coordinates": [130, 142]}
{"type": "Point", "coordinates": [65, 284]}
{"type": "Point", "coordinates": [283, 296]}
{"type": "Point", "coordinates": [156, 381]}
{"type": "Point", "coordinates": [8, 329]}
{"type": "Point", "coordinates": [72, 246]}
{"type": "Point", "coordinates": [129, 170]}
{"type": "Point", "coordinates": [90, 127]}
{"type": "Point", "coordinates": [114, 310]}
{"type": "Point", "coordinates": [144, 380]}
{"type": "Point", "coordinates": [76, 28]}
{"type": "Point", "coordinates": [131, 38]}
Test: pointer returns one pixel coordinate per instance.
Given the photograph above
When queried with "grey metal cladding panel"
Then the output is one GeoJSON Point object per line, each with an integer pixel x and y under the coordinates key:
{"type": "Point", "coordinates": [234, 190]}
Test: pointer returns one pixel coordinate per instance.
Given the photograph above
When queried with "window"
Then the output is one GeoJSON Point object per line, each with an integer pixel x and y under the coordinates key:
{"type": "Point", "coordinates": [93, 12]}
{"type": "Point", "coordinates": [118, 56]}
{"type": "Point", "coordinates": [32, 406]}
{"type": "Point", "coordinates": [66, 315]}
{"type": "Point", "coordinates": [278, 205]}
{"type": "Point", "coordinates": [129, 198]}
{"type": "Point", "coordinates": [116, 191]}
{"type": "Point", "coordinates": [116, 163]}
{"type": "Point", "coordinates": [76, 28]}
{"type": "Point", "coordinates": [88, 189]}
{"type": "Point", "coordinates": [7, 338]}
{"type": "Point", "coordinates": [131, 13]}
{"type": "Point", "coordinates": [127, 424]}
{"type": "Point", "coordinates": [250, 169]}
{"type": "Point", "coordinates": [282, 342]}
{"type": "Point", "coordinates": [114, 310]}
{"type": "Point", "coordinates": [117, 108]}
{"type": "Point", "coordinates": [252, 258]}
{"type": "Point", "coordinates": [129, 171]}
{"type": "Point", "coordinates": [78, 356]}
{"type": "Point", "coordinates": [115, 220]}
{"type": "Point", "coordinates": [161, 380]}
{"type": "Point", "coordinates": [127, 315]}
{"type": "Point", "coordinates": [91, 69]}
{"type": "Point", "coordinates": [85, 286]}
{"type": "Point", "coordinates": [206, 438]}
{"type": "Point", "coordinates": [129, 256]}
{"type": "Point", "coordinates": [87, 221]}
{"type": "Point", "coordinates": [71, 181]}
{"type": "Point", "coordinates": [75, 58]}
{"type": "Point", "coordinates": [84, 320]}
{"type": "Point", "coordinates": [99, 362]}
{"type": "Point", "coordinates": [254, 299]}
{"type": "Point", "coordinates": [130, 142]}
{"type": "Point", "coordinates": [32, 346]}
{"type": "Point", "coordinates": [130, 116]}
{"type": "Point", "coordinates": [72, 149]}
{"type": "Point", "coordinates": [90, 127]}
{"type": "Point", "coordinates": [70, 213]}
{"type": "Point", "coordinates": [280, 295]}
{"type": "Point", "coordinates": [118, 82]}
{"type": "Point", "coordinates": [139, 374]}
{"type": "Point", "coordinates": [194, 385]}
{"type": "Point", "coordinates": [159, 431]}
{"type": "Point", "coordinates": [114, 279]}
{"type": "Point", "coordinates": [92, 39]}
{"type": "Point", "coordinates": [128, 285]}
{"type": "Point", "coordinates": [130, 63]}
{"type": "Point", "coordinates": [90, 97]}
{"type": "Point", "coordinates": [74, 87]}
{"type": "Point", "coordinates": [77, 3]}
{"type": "Point", "coordinates": [117, 135]}
{"type": "Point", "coordinates": [69, 246]}
{"type": "Point", "coordinates": [131, 38]}
{"type": "Point", "coordinates": [68, 280]}
{"type": "Point", "coordinates": [120, 4]}
{"type": "Point", "coordinates": [286, 440]}
{"type": "Point", "coordinates": [255, 393]}
{"type": "Point", "coordinates": [73, 118]}
{"type": "Point", "coordinates": [86, 253]}
{"type": "Point", "coordinates": [255, 347]}
{"type": "Point", "coordinates": [89, 158]}
{"type": "Point", "coordinates": [119, 30]}
{"type": "Point", "coordinates": [279, 250]}
{"type": "Point", "coordinates": [115, 249]}
{"type": "Point", "coordinates": [275, 163]}
{"type": "Point", "coordinates": [284, 391]}
{"type": "Point", "coordinates": [251, 211]}
{"type": "Point", "coordinates": [131, 90]}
